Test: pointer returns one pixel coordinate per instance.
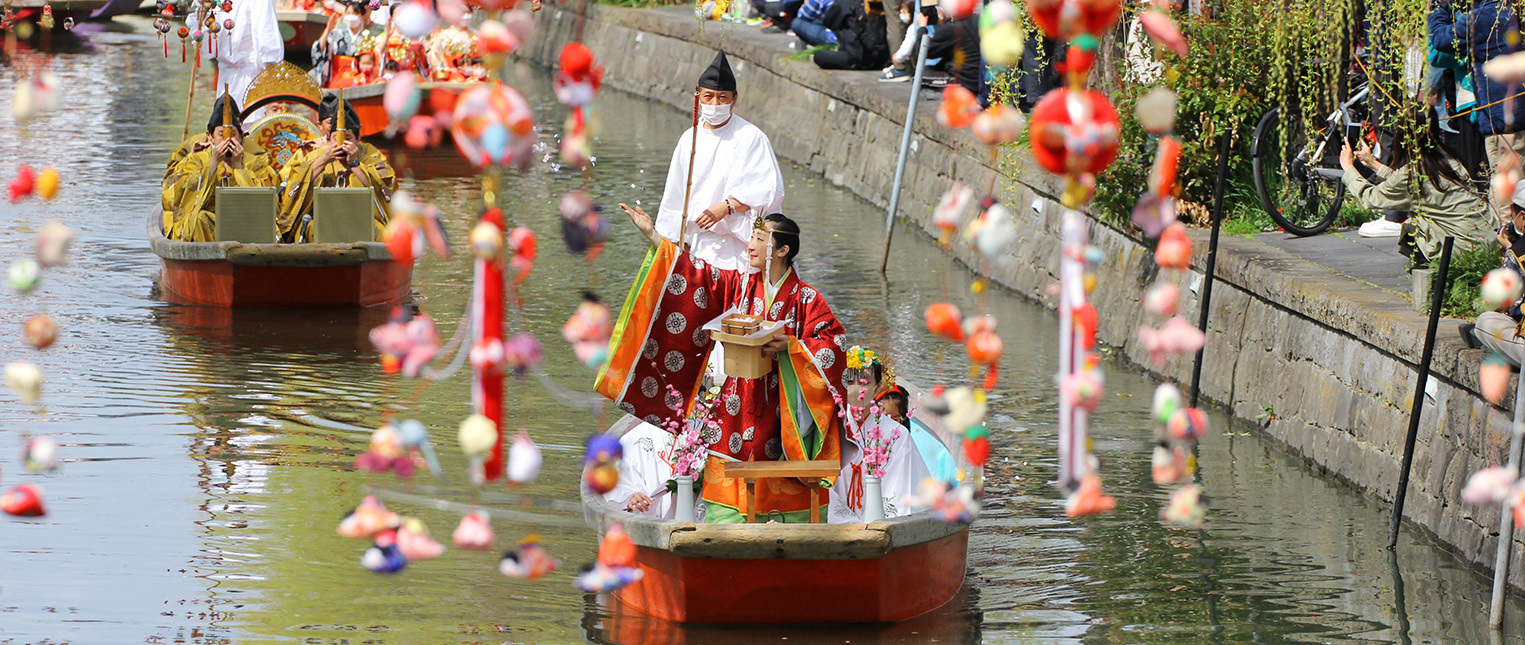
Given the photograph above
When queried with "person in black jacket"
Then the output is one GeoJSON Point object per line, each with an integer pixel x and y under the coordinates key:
{"type": "Point", "coordinates": [957, 44]}
{"type": "Point", "coordinates": [862, 42]}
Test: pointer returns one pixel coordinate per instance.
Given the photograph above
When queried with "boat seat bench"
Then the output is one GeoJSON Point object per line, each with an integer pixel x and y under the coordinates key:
{"type": "Point", "coordinates": [812, 472]}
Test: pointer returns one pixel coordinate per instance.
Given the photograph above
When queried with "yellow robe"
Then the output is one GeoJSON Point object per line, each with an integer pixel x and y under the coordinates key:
{"type": "Point", "coordinates": [297, 187]}
{"type": "Point", "coordinates": [190, 192]}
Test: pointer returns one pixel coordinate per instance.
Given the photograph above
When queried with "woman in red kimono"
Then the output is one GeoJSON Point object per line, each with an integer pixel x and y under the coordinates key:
{"type": "Point", "coordinates": [789, 414]}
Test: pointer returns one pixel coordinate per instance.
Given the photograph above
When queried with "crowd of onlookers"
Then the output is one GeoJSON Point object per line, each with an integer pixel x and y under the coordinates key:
{"type": "Point", "coordinates": [869, 35]}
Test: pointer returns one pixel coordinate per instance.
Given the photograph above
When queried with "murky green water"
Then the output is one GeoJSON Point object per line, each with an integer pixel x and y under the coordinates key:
{"type": "Point", "coordinates": [209, 453]}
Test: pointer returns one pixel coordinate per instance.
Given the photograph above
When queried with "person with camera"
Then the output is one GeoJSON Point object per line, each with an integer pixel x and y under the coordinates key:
{"type": "Point", "coordinates": [1480, 34]}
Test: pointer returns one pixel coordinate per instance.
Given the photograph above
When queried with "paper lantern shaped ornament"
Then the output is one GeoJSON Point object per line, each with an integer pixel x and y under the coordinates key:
{"type": "Point", "coordinates": [493, 124]}
{"type": "Point", "coordinates": [1074, 133]}
{"type": "Point", "coordinates": [1066, 19]}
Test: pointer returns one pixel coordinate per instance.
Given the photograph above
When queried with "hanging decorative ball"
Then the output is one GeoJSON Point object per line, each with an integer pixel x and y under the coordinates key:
{"type": "Point", "coordinates": [40, 331]}
{"type": "Point", "coordinates": [160, 24]}
{"type": "Point", "coordinates": [228, 24]}
{"type": "Point", "coordinates": [1074, 132]}
{"type": "Point", "coordinates": [198, 36]}
{"type": "Point", "coordinates": [168, 12]}
{"type": "Point", "coordinates": [210, 20]}
{"type": "Point", "coordinates": [69, 23]}
{"type": "Point", "coordinates": [184, 32]}
{"type": "Point", "coordinates": [41, 454]}
{"type": "Point", "coordinates": [24, 275]}
{"type": "Point", "coordinates": [227, 6]}
{"type": "Point", "coordinates": [214, 27]}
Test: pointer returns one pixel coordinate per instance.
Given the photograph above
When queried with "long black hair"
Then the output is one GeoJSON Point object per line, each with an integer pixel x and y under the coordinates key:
{"type": "Point", "coordinates": [1420, 134]}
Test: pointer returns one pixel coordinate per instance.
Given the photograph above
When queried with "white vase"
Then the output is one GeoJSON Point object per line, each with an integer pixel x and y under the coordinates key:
{"type": "Point", "coordinates": [873, 499]}
{"type": "Point", "coordinates": [685, 498]}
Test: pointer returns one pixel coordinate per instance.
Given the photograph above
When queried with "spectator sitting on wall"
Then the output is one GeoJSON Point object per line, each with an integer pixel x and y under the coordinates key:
{"type": "Point", "coordinates": [810, 26]}
{"type": "Point", "coordinates": [1500, 331]}
{"type": "Point", "coordinates": [861, 40]}
{"type": "Point", "coordinates": [956, 44]}
{"type": "Point", "coordinates": [1481, 34]}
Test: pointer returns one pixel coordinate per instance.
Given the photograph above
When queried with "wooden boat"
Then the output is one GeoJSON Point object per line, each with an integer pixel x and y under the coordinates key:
{"type": "Point", "coordinates": [300, 29]}
{"type": "Point", "coordinates": [373, 115]}
{"type": "Point", "coordinates": [886, 571]}
{"type": "Point", "coordinates": [231, 274]}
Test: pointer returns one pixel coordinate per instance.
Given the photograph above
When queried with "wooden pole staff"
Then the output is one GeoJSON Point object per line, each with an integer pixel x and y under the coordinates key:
{"type": "Point", "coordinates": [688, 185]}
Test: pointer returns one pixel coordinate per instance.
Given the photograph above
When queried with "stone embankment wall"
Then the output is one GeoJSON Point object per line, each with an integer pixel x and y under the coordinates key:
{"type": "Point", "coordinates": [1324, 364]}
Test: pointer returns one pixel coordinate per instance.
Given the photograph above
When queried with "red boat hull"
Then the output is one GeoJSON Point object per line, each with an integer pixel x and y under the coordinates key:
{"type": "Point", "coordinates": [905, 583]}
{"type": "Point", "coordinates": [224, 284]}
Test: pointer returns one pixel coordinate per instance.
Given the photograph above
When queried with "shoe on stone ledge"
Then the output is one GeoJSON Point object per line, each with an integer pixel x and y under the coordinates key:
{"type": "Point", "coordinates": [1468, 336]}
{"type": "Point", "coordinates": [892, 75]}
{"type": "Point", "coordinates": [1380, 227]}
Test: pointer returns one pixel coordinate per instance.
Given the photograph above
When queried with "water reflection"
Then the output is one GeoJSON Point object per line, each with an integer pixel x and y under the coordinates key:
{"type": "Point", "coordinates": [210, 451]}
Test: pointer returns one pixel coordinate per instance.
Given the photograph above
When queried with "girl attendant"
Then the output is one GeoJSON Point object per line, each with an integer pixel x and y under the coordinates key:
{"type": "Point", "coordinates": [875, 443]}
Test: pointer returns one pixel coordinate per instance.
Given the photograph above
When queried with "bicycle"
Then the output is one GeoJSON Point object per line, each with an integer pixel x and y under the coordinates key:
{"type": "Point", "coordinates": [1298, 179]}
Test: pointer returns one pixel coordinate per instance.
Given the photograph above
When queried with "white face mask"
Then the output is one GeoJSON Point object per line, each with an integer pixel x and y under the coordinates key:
{"type": "Point", "coordinates": [905, 18]}
{"type": "Point", "coordinates": [354, 22]}
{"type": "Point", "coordinates": [715, 114]}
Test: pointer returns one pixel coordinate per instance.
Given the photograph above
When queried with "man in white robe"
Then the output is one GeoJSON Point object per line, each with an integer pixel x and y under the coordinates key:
{"type": "Point", "coordinates": [736, 177]}
{"type": "Point", "coordinates": [644, 471]}
{"type": "Point", "coordinates": [243, 52]}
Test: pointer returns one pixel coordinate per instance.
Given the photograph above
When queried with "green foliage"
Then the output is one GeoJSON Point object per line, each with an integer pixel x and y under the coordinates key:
{"type": "Point", "coordinates": [644, 4]}
{"type": "Point", "coordinates": [1463, 298]}
{"type": "Point", "coordinates": [807, 52]}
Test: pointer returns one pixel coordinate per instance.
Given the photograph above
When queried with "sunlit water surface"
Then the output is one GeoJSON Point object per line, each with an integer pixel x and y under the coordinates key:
{"type": "Point", "coordinates": [209, 453]}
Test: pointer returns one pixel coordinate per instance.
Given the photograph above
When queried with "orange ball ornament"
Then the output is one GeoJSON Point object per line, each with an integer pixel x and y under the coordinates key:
{"type": "Point", "coordinates": [945, 320]}
{"type": "Point", "coordinates": [984, 347]}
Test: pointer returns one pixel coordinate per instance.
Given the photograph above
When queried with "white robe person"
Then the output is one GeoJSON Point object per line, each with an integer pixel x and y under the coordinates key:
{"type": "Point", "coordinates": [733, 161]}
{"type": "Point", "coordinates": [645, 469]}
{"type": "Point", "coordinates": [253, 44]}
{"type": "Point", "coordinates": [903, 475]}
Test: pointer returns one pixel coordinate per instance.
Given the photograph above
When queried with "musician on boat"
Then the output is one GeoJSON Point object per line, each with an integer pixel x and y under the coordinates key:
{"type": "Point", "coordinates": [338, 158]}
{"type": "Point", "coordinates": [219, 159]}
{"type": "Point", "coordinates": [729, 176]}
{"type": "Point", "coordinates": [790, 413]}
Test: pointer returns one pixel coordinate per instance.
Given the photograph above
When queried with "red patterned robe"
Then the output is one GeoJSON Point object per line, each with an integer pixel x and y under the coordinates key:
{"type": "Point", "coordinates": [788, 414]}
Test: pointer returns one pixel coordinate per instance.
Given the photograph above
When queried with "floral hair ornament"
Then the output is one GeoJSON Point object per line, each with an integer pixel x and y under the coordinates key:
{"type": "Point", "coordinates": [859, 358]}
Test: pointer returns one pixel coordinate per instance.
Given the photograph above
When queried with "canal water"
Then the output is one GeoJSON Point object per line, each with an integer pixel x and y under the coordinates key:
{"type": "Point", "coordinates": [209, 453]}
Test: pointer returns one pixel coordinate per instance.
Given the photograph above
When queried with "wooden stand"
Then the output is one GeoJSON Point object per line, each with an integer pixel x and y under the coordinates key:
{"type": "Point", "coordinates": [743, 353]}
{"type": "Point", "coordinates": [811, 471]}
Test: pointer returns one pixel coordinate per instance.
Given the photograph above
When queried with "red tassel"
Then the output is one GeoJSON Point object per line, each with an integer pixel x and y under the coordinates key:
{"type": "Point", "coordinates": [182, 50]}
{"type": "Point", "coordinates": [990, 379]}
{"type": "Point", "coordinates": [166, 48]}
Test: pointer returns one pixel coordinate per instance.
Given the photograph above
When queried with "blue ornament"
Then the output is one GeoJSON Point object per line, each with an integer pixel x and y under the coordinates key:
{"type": "Point", "coordinates": [495, 142]}
{"type": "Point", "coordinates": [383, 559]}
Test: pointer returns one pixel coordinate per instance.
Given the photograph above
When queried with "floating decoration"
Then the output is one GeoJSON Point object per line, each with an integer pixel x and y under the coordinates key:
{"type": "Point", "coordinates": [384, 558]}
{"type": "Point", "coordinates": [1066, 19]}
{"type": "Point", "coordinates": [1506, 175]}
{"type": "Point", "coordinates": [1001, 36]}
{"type": "Point", "coordinates": [1164, 32]}
{"type": "Point", "coordinates": [998, 124]}
{"type": "Point", "coordinates": [53, 243]}
{"type": "Point", "coordinates": [1169, 464]}
{"type": "Point", "coordinates": [577, 79]}
{"type": "Point", "coordinates": [24, 275]}
{"type": "Point", "coordinates": [959, 107]}
{"type": "Point", "coordinates": [602, 477]}
{"type": "Point", "coordinates": [24, 183]}
{"type": "Point", "coordinates": [40, 331]}
{"type": "Point", "coordinates": [474, 532]}
{"type": "Point", "coordinates": [524, 459]}
{"type": "Point", "coordinates": [401, 97]}
{"type": "Point", "coordinates": [1084, 320]}
{"type": "Point", "coordinates": [1186, 424]}
{"type": "Point", "coordinates": [1088, 499]}
{"type": "Point", "coordinates": [46, 185]}
{"type": "Point", "coordinates": [596, 578]}
{"type": "Point", "coordinates": [1173, 251]}
{"type": "Point", "coordinates": [582, 228]}
{"type": "Point", "coordinates": [41, 454]}
{"type": "Point", "coordinates": [494, 38]}
{"type": "Point", "coordinates": [414, 20]}
{"type": "Point", "coordinates": [949, 503]}
{"type": "Point", "coordinates": [386, 453]}
{"type": "Point", "coordinates": [478, 435]}
{"type": "Point", "coordinates": [402, 238]}
{"type": "Point", "coordinates": [1080, 138]}
{"type": "Point", "coordinates": [1186, 507]}
{"type": "Point", "coordinates": [1176, 336]}
{"type": "Point", "coordinates": [35, 96]}
{"type": "Point", "coordinates": [951, 210]}
{"type": "Point", "coordinates": [1490, 485]}
{"type": "Point", "coordinates": [1153, 213]}
{"type": "Point", "coordinates": [944, 319]}
{"type": "Point", "coordinates": [1085, 388]}
{"type": "Point", "coordinates": [522, 353]}
{"type": "Point", "coordinates": [521, 242]}
{"type": "Point", "coordinates": [1167, 160]}
{"type": "Point", "coordinates": [588, 331]}
{"type": "Point", "coordinates": [24, 500]}
{"type": "Point", "coordinates": [486, 240]}
{"type": "Point", "coordinates": [1500, 288]}
{"type": "Point", "coordinates": [601, 472]}
{"type": "Point", "coordinates": [1156, 111]}
{"type": "Point", "coordinates": [616, 549]}
{"type": "Point", "coordinates": [995, 231]}
{"type": "Point", "coordinates": [414, 543]}
{"type": "Point", "coordinates": [493, 124]}
{"type": "Point", "coordinates": [1167, 400]}
{"type": "Point", "coordinates": [24, 381]}
{"type": "Point", "coordinates": [1163, 299]}
{"type": "Point", "coordinates": [369, 518]}
{"type": "Point", "coordinates": [414, 436]}
{"type": "Point", "coordinates": [984, 349]}
{"type": "Point", "coordinates": [1493, 377]}
{"type": "Point", "coordinates": [530, 561]}
{"type": "Point", "coordinates": [407, 343]}
{"type": "Point", "coordinates": [966, 409]}
{"type": "Point", "coordinates": [1508, 69]}
{"type": "Point", "coordinates": [956, 9]}
{"type": "Point", "coordinates": [976, 445]}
